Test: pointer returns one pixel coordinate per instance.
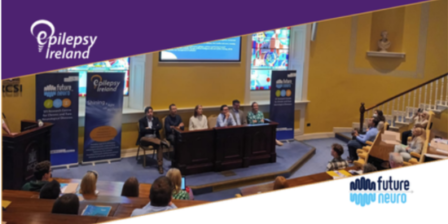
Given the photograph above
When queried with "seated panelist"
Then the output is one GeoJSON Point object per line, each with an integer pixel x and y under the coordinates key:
{"type": "Point", "coordinates": [255, 116]}
{"type": "Point", "coordinates": [239, 115]}
{"type": "Point", "coordinates": [225, 118]}
{"type": "Point", "coordinates": [149, 127]}
{"type": "Point", "coordinates": [173, 120]}
{"type": "Point", "coordinates": [198, 121]}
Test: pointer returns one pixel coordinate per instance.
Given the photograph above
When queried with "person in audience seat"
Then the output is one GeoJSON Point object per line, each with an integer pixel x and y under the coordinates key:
{"type": "Point", "coordinates": [50, 190]}
{"type": "Point", "coordinates": [360, 140]}
{"type": "Point", "coordinates": [160, 197]}
{"type": "Point", "coordinates": [239, 115]}
{"type": "Point", "coordinates": [198, 121]}
{"type": "Point", "coordinates": [66, 204]}
{"type": "Point", "coordinates": [256, 117]}
{"type": "Point", "coordinates": [225, 118]}
{"type": "Point", "coordinates": [176, 178]}
{"type": "Point", "coordinates": [280, 183]}
{"type": "Point", "coordinates": [88, 183]}
{"type": "Point", "coordinates": [420, 120]}
{"type": "Point", "coordinates": [378, 114]}
{"type": "Point", "coordinates": [130, 188]}
{"type": "Point", "coordinates": [149, 134]}
{"type": "Point", "coordinates": [368, 168]}
{"type": "Point", "coordinates": [173, 120]}
{"type": "Point", "coordinates": [337, 163]}
{"type": "Point", "coordinates": [416, 145]}
{"type": "Point", "coordinates": [42, 173]}
{"type": "Point", "coordinates": [395, 160]}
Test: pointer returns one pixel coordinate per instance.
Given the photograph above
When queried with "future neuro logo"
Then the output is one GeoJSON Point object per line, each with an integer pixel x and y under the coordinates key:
{"type": "Point", "coordinates": [394, 191]}
{"type": "Point", "coordinates": [101, 85]}
{"type": "Point", "coordinates": [61, 46]}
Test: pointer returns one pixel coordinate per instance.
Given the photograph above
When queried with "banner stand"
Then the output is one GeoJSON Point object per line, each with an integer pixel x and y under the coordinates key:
{"type": "Point", "coordinates": [283, 91]}
{"type": "Point", "coordinates": [103, 118]}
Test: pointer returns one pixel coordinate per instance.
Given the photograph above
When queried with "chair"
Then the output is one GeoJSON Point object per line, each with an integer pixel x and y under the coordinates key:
{"type": "Point", "coordinates": [165, 141]}
{"type": "Point", "coordinates": [238, 195]}
{"type": "Point", "coordinates": [212, 121]}
{"type": "Point", "coordinates": [144, 148]}
{"type": "Point", "coordinates": [420, 157]}
{"type": "Point", "coordinates": [363, 153]}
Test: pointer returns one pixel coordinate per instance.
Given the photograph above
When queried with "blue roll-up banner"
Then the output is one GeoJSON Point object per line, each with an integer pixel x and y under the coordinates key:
{"type": "Point", "coordinates": [283, 91]}
{"type": "Point", "coordinates": [104, 107]}
{"type": "Point", "coordinates": [57, 103]}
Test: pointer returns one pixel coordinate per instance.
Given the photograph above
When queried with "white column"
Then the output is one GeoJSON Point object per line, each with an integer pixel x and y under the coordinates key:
{"type": "Point", "coordinates": [420, 97]}
{"type": "Point", "coordinates": [441, 90]}
{"type": "Point", "coordinates": [430, 96]}
{"type": "Point", "coordinates": [415, 98]}
{"type": "Point", "coordinates": [404, 100]}
{"type": "Point", "coordinates": [426, 95]}
{"type": "Point", "coordinates": [435, 95]}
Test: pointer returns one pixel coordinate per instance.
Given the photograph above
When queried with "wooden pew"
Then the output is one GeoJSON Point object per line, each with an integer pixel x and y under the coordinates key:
{"type": "Point", "coordinates": [295, 182]}
{"type": "Point", "coordinates": [48, 218]}
{"type": "Point", "coordinates": [125, 210]}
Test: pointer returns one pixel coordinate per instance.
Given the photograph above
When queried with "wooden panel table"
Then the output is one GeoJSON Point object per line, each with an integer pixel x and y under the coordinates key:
{"type": "Point", "coordinates": [224, 148]}
{"type": "Point", "coordinates": [48, 218]}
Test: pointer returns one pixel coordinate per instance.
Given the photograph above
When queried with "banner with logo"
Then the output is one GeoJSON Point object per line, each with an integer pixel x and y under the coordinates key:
{"type": "Point", "coordinates": [104, 107]}
{"type": "Point", "coordinates": [57, 103]}
{"type": "Point", "coordinates": [283, 91]}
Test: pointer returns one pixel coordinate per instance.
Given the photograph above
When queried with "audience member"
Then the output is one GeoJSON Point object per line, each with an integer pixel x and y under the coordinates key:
{"type": "Point", "coordinates": [360, 140]}
{"type": "Point", "coordinates": [130, 188]}
{"type": "Point", "coordinates": [173, 120]}
{"type": "Point", "coordinates": [66, 204]}
{"type": "Point", "coordinates": [255, 116]}
{"type": "Point", "coordinates": [42, 173]}
{"type": "Point", "coordinates": [395, 160]}
{"type": "Point", "coordinates": [337, 163]}
{"type": "Point", "coordinates": [420, 120]}
{"type": "Point", "coordinates": [50, 190]}
{"type": "Point", "coordinates": [149, 127]}
{"type": "Point", "coordinates": [416, 145]}
{"type": "Point", "coordinates": [88, 183]}
{"type": "Point", "coordinates": [160, 196]}
{"type": "Point", "coordinates": [368, 168]}
{"type": "Point", "coordinates": [225, 118]}
{"type": "Point", "coordinates": [280, 183]}
{"type": "Point", "coordinates": [176, 178]}
{"type": "Point", "coordinates": [198, 121]}
{"type": "Point", "coordinates": [379, 115]}
{"type": "Point", "coordinates": [239, 115]}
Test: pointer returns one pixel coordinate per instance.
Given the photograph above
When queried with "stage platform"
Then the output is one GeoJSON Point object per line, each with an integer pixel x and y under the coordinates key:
{"type": "Point", "coordinates": [343, 136]}
{"type": "Point", "coordinates": [290, 157]}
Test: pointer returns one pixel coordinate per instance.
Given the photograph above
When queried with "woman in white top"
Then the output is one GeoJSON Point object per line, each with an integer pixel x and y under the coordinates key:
{"type": "Point", "coordinates": [420, 120]}
{"type": "Point", "coordinates": [198, 121]}
{"type": "Point", "coordinates": [415, 145]}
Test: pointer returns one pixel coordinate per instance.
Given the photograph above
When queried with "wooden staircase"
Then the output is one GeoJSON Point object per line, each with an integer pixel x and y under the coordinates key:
{"type": "Point", "coordinates": [400, 109]}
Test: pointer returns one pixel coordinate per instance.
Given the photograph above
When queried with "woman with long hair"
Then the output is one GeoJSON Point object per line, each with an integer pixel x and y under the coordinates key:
{"type": "Point", "coordinates": [198, 121]}
{"type": "Point", "coordinates": [88, 183]}
{"type": "Point", "coordinates": [415, 145]}
{"type": "Point", "coordinates": [176, 178]}
{"type": "Point", "coordinates": [130, 188]}
{"type": "Point", "coordinates": [379, 114]}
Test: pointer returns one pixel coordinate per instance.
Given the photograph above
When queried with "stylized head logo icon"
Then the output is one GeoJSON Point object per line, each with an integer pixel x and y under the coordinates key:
{"type": "Point", "coordinates": [42, 36]}
{"type": "Point", "coordinates": [96, 79]}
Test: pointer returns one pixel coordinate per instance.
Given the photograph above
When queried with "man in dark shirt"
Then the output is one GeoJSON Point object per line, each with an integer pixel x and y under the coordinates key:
{"type": "Point", "coordinates": [149, 127]}
{"type": "Point", "coordinates": [173, 120]}
{"type": "Point", "coordinates": [42, 173]}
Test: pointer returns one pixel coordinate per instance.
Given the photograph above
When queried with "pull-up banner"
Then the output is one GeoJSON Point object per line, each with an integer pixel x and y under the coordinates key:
{"type": "Point", "coordinates": [282, 102]}
{"type": "Point", "coordinates": [104, 107]}
{"type": "Point", "coordinates": [57, 103]}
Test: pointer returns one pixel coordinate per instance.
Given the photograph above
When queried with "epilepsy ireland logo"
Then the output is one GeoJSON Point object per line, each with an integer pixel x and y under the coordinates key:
{"type": "Point", "coordinates": [61, 46]}
{"type": "Point", "coordinates": [388, 191]}
{"type": "Point", "coordinates": [103, 85]}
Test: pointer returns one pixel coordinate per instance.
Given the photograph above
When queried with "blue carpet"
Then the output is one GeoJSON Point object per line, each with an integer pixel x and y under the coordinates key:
{"type": "Point", "coordinates": [287, 155]}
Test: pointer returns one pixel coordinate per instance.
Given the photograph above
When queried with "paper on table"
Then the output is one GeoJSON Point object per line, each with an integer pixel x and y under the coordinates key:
{"type": "Point", "coordinates": [389, 139]}
{"type": "Point", "coordinates": [435, 156]}
{"type": "Point", "coordinates": [5, 203]}
{"type": "Point", "coordinates": [395, 134]}
{"type": "Point", "coordinates": [92, 210]}
{"type": "Point", "coordinates": [442, 151]}
{"type": "Point", "coordinates": [70, 188]}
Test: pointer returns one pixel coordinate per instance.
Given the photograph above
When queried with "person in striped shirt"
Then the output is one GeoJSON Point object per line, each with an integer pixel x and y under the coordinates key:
{"type": "Point", "coordinates": [337, 163]}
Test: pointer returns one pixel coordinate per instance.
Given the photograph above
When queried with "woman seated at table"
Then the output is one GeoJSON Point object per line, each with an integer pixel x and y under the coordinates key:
{"type": "Point", "coordinates": [198, 121]}
{"type": "Point", "coordinates": [280, 183]}
{"type": "Point", "coordinates": [176, 178]}
{"type": "Point", "coordinates": [88, 183]}
{"type": "Point", "coordinates": [66, 204]}
{"type": "Point", "coordinates": [420, 120]}
{"type": "Point", "coordinates": [130, 188]}
{"type": "Point", "coordinates": [416, 144]}
{"type": "Point", "coordinates": [256, 117]}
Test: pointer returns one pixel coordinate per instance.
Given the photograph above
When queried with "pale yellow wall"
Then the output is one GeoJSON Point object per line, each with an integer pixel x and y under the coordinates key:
{"type": "Point", "coordinates": [336, 94]}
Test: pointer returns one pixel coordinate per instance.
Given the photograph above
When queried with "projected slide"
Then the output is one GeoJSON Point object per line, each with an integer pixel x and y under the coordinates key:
{"type": "Point", "coordinates": [226, 50]}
